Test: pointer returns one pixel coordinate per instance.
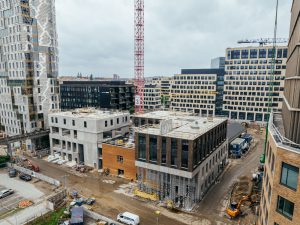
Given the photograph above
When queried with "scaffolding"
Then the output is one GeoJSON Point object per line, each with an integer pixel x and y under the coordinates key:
{"type": "Point", "coordinates": [180, 190]}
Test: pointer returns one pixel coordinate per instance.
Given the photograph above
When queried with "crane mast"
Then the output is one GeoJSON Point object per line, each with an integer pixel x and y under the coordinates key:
{"type": "Point", "coordinates": [139, 54]}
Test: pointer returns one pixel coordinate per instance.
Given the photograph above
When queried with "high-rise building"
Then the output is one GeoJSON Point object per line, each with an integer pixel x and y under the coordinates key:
{"type": "Point", "coordinates": [110, 94]}
{"type": "Point", "coordinates": [179, 157]}
{"type": "Point", "coordinates": [280, 203]}
{"type": "Point", "coordinates": [248, 79]}
{"type": "Point", "coordinates": [199, 91]}
{"type": "Point", "coordinates": [218, 63]}
{"type": "Point", "coordinates": [28, 66]}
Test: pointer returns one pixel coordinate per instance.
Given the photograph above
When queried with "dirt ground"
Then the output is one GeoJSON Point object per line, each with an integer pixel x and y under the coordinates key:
{"type": "Point", "coordinates": [109, 203]}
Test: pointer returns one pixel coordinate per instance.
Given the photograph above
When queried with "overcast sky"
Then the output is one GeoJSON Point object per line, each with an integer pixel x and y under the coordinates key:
{"type": "Point", "coordinates": [96, 36]}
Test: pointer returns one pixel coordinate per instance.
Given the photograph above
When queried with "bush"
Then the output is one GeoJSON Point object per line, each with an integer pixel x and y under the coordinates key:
{"type": "Point", "coordinates": [4, 159]}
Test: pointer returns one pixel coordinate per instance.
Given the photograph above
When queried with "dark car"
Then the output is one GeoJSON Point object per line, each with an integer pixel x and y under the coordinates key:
{"type": "Point", "coordinates": [25, 177]}
{"type": "Point", "coordinates": [12, 172]}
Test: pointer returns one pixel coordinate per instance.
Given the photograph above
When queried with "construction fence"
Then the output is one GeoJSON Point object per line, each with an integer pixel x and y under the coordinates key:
{"type": "Point", "coordinates": [36, 175]}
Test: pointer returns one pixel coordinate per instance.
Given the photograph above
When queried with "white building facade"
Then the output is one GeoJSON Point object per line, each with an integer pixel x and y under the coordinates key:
{"type": "Point", "coordinates": [248, 81]}
{"type": "Point", "coordinates": [28, 66]}
{"type": "Point", "coordinates": [78, 135]}
{"type": "Point", "coordinates": [194, 93]}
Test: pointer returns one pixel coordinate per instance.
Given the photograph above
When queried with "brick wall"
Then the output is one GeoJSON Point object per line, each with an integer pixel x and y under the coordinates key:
{"type": "Point", "coordinates": [110, 153]}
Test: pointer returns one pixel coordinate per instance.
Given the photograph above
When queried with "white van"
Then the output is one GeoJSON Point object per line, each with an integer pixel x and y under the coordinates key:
{"type": "Point", "coordinates": [128, 218]}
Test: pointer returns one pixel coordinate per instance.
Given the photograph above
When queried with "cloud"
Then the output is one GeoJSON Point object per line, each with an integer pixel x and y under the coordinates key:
{"type": "Point", "coordinates": [96, 36]}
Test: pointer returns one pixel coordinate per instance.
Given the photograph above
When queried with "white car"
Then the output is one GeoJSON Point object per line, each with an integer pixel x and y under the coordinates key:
{"type": "Point", "coordinates": [5, 193]}
{"type": "Point", "coordinates": [129, 218]}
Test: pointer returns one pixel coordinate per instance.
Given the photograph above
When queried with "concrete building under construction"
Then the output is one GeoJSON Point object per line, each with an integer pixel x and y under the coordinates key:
{"type": "Point", "coordinates": [179, 158]}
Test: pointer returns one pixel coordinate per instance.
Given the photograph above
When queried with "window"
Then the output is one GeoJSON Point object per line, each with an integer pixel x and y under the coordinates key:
{"type": "Point", "coordinates": [164, 150]}
{"type": "Point", "coordinates": [153, 148]}
{"type": "Point", "coordinates": [56, 121]}
{"type": "Point", "coordinates": [65, 121]}
{"type": "Point", "coordinates": [119, 158]}
{"type": "Point", "coordinates": [285, 207]}
{"type": "Point", "coordinates": [105, 123]}
{"type": "Point", "coordinates": [52, 120]}
{"type": "Point", "coordinates": [75, 133]}
{"type": "Point", "coordinates": [117, 120]}
{"type": "Point", "coordinates": [111, 122]}
{"type": "Point", "coordinates": [142, 147]}
{"type": "Point", "coordinates": [185, 153]}
{"type": "Point", "coordinates": [289, 176]}
{"type": "Point", "coordinates": [73, 122]}
{"type": "Point", "coordinates": [173, 152]}
{"type": "Point", "coordinates": [85, 125]}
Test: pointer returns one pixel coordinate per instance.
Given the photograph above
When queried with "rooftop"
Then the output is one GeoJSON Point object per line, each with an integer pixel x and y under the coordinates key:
{"type": "Point", "coordinates": [89, 113]}
{"type": "Point", "coordinates": [162, 115]}
{"type": "Point", "coordinates": [181, 126]}
{"type": "Point", "coordinates": [122, 141]}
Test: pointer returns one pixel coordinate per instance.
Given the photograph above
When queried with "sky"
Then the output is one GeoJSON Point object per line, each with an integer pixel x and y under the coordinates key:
{"type": "Point", "coordinates": [96, 36]}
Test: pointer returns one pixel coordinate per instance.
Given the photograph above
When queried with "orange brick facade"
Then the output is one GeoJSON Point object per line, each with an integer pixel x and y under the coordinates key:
{"type": "Point", "coordinates": [110, 155]}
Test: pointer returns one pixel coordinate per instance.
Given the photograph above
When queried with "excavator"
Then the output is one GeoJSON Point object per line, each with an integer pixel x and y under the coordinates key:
{"type": "Point", "coordinates": [235, 208]}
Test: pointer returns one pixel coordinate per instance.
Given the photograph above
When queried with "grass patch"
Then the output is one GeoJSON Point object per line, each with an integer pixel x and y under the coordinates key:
{"type": "Point", "coordinates": [51, 218]}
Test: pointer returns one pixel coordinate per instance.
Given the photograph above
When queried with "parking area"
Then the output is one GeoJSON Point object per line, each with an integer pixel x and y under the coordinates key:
{"type": "Point", "coordinates": [10, 202]}
{"type": "Point", "coordinates": [22, 191]}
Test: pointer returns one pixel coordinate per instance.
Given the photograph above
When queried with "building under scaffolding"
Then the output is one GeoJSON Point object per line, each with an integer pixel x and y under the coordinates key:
{"type": "Point", "coordinates": [180, 158]}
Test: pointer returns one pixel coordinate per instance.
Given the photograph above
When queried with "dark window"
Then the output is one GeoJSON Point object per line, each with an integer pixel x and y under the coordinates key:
{"type": "Point", "coordinates": [111, 122]}
{"type": "Point", "coordinates": [262, 53]}
{"type": "Point", "coordinates": [164, 150]}
{"type": "Point", "coordinates": [52, 120]}
{"type": "Point", "coordinates": [185, 153]}
{"type": "Point", "coordinates": [173, 152]}
{"type": "Point", "coordinates": [289, 176]}
{"type": "Point", "coordinates": [84, 123]}
{"type": "Point", "coordinates": [142, 147]}
{"type": "Point", "coordinates": [56, 121]}
{"type": "Point", "coordinates": [117, 120]}
{"type": "Point", "coordinates": [75, 133]}
{"type": "Point", "coordinates": [65, 121]}
{"type": "Point", "coordinates": [235, 54]}
{"type": "Point", "coordinates": [245, 54]}
{"type": "Point", "coordinates": [73, 122]}
{"type": "Point", "coordinates": [279, 53]}
{"type": "Point", "coordinates": [285, 53]}
{"type": "Point", "coordinates": [153, 148]}
{"type": "Point", "coordinates": [253, 53]}
{"type": "Point", "coordinates": [285, 207]}
{"type": "Point", "coordinates": [271, 53]}
{"type": "Point", "coordinates": [105, 123]}
{"type": "Point", "coordinates": [120, 159]}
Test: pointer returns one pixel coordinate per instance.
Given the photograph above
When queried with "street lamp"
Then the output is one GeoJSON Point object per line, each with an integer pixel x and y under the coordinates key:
{"type": "Point", "coordinates": [157, 216]}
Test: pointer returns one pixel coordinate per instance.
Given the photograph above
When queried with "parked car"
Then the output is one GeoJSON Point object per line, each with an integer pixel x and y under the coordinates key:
{"type": "Point", "coordinates": [5, 193]}
{"type": "Point", "coordinates": [128, 218]}
{"type": "Point", "coordinates": [25, 177]}
{"type": "Point", "coordinates": [12, 172]}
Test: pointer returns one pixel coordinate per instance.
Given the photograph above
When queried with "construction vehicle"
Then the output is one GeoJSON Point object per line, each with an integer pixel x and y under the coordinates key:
{"type": "Point", "coordinates": [28, 165]}
{"type": "Point", "coordinates": [235, 208]}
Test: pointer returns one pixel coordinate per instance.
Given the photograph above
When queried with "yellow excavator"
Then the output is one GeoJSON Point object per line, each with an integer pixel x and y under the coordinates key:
{"type": "Point", "coordinates": [235, 208]}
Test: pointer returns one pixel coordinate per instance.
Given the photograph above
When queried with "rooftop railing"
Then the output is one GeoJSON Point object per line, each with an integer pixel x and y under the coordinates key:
{"type": "Point", "coordinates": [278, 136]}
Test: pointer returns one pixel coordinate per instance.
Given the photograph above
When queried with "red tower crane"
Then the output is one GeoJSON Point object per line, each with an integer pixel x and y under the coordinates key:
{"type": "Point", "coordinates": [139, 54]}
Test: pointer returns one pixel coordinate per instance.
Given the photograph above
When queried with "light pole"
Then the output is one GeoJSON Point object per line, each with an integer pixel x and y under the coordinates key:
{"type": "Point", "coordinates": [157, 216]}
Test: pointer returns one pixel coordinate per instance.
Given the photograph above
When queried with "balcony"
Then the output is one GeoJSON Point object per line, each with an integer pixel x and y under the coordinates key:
{"type": "Point", "coordinates": [277, 130]}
